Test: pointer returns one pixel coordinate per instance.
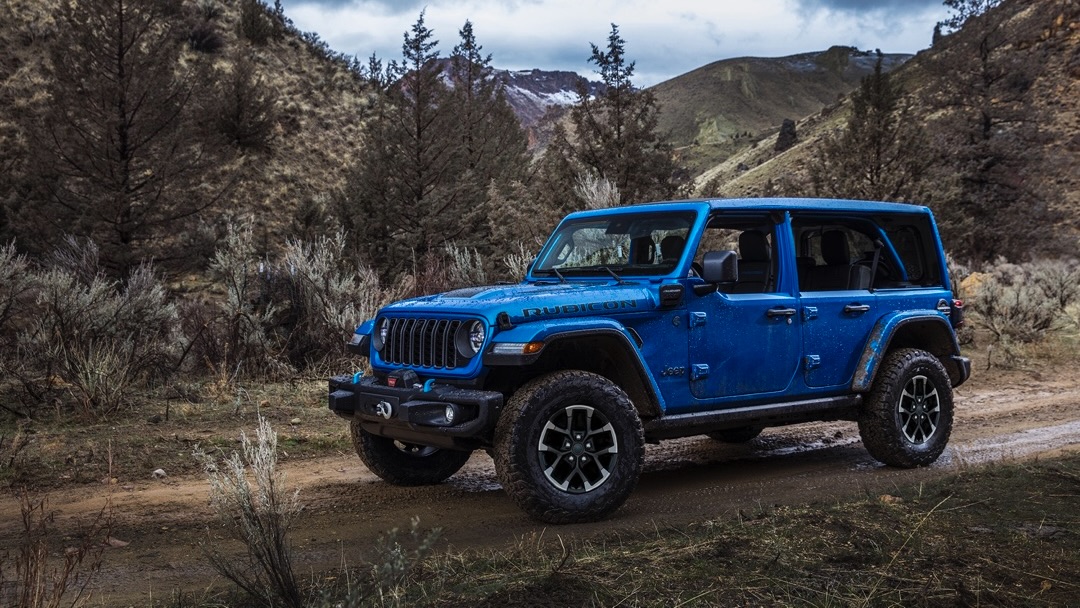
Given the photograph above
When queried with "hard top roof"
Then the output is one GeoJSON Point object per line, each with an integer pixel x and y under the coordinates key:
{"type": "Point", "coordinates": [801, 204]}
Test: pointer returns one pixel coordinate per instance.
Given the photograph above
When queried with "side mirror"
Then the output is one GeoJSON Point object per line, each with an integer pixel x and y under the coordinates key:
{"type": "Point", "coordinates": [717, 268]}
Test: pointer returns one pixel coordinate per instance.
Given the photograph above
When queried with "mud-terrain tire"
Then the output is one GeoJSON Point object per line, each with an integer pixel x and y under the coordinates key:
{"type": "Point", "coordinates": [569, 447]}
{"type": "Point", "coordinates": [406, 464]}
{"type": "Point", "coordinates": [740, 434]}
{"type": "Point", "coordinates": [907, 419]}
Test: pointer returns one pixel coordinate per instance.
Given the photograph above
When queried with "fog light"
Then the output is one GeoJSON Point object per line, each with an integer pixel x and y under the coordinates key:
{"type": "Point", "coordinates": [450, 413]}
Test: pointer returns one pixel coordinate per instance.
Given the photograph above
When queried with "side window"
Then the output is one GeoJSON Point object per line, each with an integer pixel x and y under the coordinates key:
{"type": "Point", "coordinates": [909, 247]}
{"type": "Point", "coordinates": [912, 238]}
{"type": "Point", "coordinates": [834, 254]}
{"type": "Point", "coordinates": [753, 239]}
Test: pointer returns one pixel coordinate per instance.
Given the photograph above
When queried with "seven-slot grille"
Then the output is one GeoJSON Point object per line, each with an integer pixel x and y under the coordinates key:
{"type": "Point", "coordinates": [422, 342]}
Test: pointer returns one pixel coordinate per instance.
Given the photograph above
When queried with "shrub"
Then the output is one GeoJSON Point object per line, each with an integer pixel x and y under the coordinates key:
{"type": "Point", "coordinates": [1022, 303]}
{"type": "Point", "coordinates": [15, 282]}
{"type": "Point", "coordinates": [255, 24]}
{"type": "Point", "coordinates": [90, 339]}
{"type": "Point", "coordinates": [517, 262]}
{"type": "Point", "coordinates": [466, 266]}
{"type": "Point", "coordinates": [204, 38]}
{"type": "Point", "coordinates": [209, 10]}
{"type": "Point", "coordinates": [288, 314]}
{"type": "Point", "coordinates": [596, 192]}
{"type": "Point", "coordinates": [232, 340]}
{"type": "Point", "coordinates": [258, 513]}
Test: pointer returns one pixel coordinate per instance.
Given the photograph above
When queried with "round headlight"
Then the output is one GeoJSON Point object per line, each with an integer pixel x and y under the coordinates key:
{"type": "Point", "coordinates": [470, 338]}
{"type": "Point", "coordinates": [382, 329]}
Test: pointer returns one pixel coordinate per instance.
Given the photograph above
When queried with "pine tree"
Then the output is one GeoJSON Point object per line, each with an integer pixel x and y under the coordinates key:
{"type": "Point", "coordinates": [881, 154]}
{"type": "Point", "coordinates": [991, 148]}
{"type": "Point", "coordinates": [616, 132]}
{"type": "Point", "coordinates": [432, 155]}
{"type": "Point", "coordinates": [120, 158]}
{"type": "Point", "coordinates": [492, 151]}
{"type": "Point", "coordinates": [962, 11]}
{"type": "Point", "coordinates": [245, 112]}
{"type": "Point", "coordinates": [396, 192]}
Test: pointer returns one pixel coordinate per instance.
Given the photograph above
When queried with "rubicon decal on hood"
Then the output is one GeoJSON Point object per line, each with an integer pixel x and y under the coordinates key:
{"type": "Point", "coordinates": [571, 309]}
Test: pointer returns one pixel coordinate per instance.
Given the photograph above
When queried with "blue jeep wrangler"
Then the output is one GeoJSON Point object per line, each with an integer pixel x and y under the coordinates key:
{"type": "Point", "coordinates": [666, 320]}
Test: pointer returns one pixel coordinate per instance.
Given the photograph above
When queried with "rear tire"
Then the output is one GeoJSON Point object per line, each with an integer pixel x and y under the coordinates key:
{"type": "Point", "coordinates": [908, 417]}
{"type": "Point", "coordinates": [406, 464]}
{"type": "Point", "coordinates": [569, 447]}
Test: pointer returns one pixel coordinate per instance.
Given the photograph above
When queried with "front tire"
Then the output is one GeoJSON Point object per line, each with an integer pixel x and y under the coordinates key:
{"type": "Point", "coordinates": [908, 418]}
{"type": "Point", "coordinates": [569, 447]}
{"type": "Point", "coordinates": [406, 464]}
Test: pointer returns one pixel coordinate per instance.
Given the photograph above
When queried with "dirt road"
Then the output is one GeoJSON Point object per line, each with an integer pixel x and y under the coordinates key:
{"type": "Point", "coordinates": [347, 508]}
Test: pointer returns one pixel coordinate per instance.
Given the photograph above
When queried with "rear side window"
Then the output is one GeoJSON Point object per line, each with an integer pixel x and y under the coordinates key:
{"type": "Point", "coordinates": [909, 247]}
{"type": "Point", "coordinates": [888, 251]}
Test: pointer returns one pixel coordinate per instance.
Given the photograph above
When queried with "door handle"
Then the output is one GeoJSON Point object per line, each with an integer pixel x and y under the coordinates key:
{"type": "Point", "coordinates": [780, 312]}
{"type": "Point", "coordinates": [859, 308]}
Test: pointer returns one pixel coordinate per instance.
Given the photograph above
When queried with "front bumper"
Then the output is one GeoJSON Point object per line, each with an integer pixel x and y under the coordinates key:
{"type": "Point", "coordinates": [413, 415]}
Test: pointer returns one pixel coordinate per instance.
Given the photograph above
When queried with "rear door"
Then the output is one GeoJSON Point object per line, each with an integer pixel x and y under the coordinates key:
{"type": "Point", "coordinates": [836, 304]}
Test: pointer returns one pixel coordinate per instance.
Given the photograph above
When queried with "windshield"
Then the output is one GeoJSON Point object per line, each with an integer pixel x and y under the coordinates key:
{"type": "Point", "coordinates": [630, 243]}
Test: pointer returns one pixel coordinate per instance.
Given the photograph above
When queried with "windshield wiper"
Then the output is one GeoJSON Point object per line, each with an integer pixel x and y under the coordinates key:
{"type": "Point", "coordinates": [562, 279]}
{"type": "Point", "coordinates": [613, 275]}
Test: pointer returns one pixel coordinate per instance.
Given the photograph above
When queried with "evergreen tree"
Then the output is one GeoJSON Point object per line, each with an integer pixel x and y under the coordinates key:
{"type": "Point", "coordinates": [991, 148]}
{"type": "Point", "coordinates": [962, 11]}
{"type": "Point", "coordinates": [616, 132]}
{"type": "Point", "coordinates": [881, 154]}
{"type": "Point", "coordinates": [120, 157]}
{"type": "Point", "coordinates": [492, 144]}
{"type": "Point", "coordinates": [245, 111]}
{"type": "Point", "coordinates": [431, 155]}
{"type": "Point", "coordinates": [396, 192]}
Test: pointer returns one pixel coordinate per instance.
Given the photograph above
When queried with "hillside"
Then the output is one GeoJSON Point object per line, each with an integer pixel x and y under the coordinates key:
{"type": "Point", "coordinates": [1036, 58]}
{"type": "Point", "coordinates": [318, 109]}
{"type": "Point", "coordinates": [725, 98]}
{"type": "Point", "coordinates": [532, 93]}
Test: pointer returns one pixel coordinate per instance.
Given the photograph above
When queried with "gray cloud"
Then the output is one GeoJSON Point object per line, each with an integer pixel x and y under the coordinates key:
{"type": "Point", "coordinates": [868, 6]}
{"type": "Point", "coordinates": [379, 7]}
{"type": "Point", "coordinates": [664, 39]}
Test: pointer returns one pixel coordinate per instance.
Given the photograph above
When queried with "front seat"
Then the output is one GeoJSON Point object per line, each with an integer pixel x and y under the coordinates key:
{"type": "Point", "coordinates": [755, 263]}
{"type": "Point", "coordinates": [671, 248]}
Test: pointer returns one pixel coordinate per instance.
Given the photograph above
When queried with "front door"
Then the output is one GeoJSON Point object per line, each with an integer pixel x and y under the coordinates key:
{"type": "Point", "coordinates": [746, 338]}
{"type": "Point", "coordinates": [743, 344]}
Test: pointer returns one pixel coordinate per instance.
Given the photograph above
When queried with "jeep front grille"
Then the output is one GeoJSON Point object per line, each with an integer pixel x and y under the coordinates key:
{"type": "Point", "coordinates": [422, 343]}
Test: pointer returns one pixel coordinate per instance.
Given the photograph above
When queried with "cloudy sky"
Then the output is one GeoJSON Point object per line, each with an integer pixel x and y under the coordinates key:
{"type": "Point", "coordinates": [665, 37]}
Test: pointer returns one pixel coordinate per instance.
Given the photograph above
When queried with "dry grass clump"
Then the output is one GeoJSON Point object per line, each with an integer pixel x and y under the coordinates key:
{"type": "Point", "coordinates": [258, 513]}
{"type": "Point", "coordinates": [36, 573]}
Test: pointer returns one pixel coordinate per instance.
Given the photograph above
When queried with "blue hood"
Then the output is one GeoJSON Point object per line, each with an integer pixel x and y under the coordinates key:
{"type": "Point", "coordinates": [532, 301]}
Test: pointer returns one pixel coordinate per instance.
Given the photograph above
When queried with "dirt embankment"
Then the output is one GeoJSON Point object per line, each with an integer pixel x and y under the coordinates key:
{"type": "Point", "coordinates": [346, 507]}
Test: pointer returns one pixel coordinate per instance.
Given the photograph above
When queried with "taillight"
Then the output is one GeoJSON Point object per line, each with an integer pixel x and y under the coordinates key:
{"type": "Point", "coordinates": [956, 317]}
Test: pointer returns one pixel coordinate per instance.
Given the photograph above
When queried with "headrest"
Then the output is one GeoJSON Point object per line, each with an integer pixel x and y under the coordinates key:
{"type": "Point", "coordinates": [754, 247]}
{"type": "Point", "coordinates": [671, 247]}
{"type": "Point", "coordinates": [834, 248]}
